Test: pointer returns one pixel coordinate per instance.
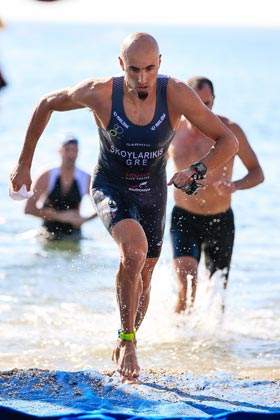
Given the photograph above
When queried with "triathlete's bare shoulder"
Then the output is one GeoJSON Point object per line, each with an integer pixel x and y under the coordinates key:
{"type": "Point", "coordinates": [92, 92]}
{"type": "Point", "coordinates": [233, 126]}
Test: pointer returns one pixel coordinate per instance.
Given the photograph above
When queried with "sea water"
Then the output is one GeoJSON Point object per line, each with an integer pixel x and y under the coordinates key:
{"type": "Point", "coordinates": [57, 302]}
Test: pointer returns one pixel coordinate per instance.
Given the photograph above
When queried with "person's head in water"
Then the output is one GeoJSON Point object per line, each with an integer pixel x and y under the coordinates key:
{"type": "Point", "coordinates": [204, 88]}
{"type": "Point", "coordinates": [140, 60]}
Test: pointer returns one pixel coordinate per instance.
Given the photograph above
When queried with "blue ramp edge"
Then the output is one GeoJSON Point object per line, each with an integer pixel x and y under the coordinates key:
{"type": "Point", "coordinates": [11, 414]}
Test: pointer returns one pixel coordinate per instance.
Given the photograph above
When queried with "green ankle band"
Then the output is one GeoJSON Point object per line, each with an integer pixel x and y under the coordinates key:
{"type": "Point", "coordinates": [127, 336]}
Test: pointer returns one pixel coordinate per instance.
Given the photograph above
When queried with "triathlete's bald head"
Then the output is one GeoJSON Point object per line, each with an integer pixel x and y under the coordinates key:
{"type": "Point", "coordinates": [141, 40]}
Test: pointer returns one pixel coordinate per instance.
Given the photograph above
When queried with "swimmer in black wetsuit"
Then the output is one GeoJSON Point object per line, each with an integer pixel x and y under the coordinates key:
{"type": "Point", "coordinates": [136, 116]}
{"type": "Point", "coordinates": [61, 189]}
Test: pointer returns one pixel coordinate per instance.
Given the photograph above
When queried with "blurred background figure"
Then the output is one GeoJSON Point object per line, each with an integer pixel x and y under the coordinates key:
{"type": "Point", "coordinates": [58, 194]}
{"type": "Point", "coordinates": [3, 82]}
{"type": "Point", "coordinates": [204, 223]}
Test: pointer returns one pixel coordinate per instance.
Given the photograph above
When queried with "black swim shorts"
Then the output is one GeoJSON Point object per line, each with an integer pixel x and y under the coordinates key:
{"type": "Point", "coordinates": [192, 234]}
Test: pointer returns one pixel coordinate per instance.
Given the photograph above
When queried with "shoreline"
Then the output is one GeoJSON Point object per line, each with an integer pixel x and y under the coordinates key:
{"type": "Point", "coordinates": [251, 374]}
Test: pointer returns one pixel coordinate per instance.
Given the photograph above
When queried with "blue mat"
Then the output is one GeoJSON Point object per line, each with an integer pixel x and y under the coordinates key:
{"type": "Point", "coordinates": [10, 414]}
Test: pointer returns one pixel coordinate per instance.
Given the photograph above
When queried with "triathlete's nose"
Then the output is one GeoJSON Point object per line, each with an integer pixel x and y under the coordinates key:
{"type": "Point", "coordinates": [142, 77]}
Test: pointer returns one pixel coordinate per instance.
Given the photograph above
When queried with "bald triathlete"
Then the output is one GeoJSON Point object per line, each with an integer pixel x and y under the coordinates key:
{"type": "Point", "coordinates": [137, 116]}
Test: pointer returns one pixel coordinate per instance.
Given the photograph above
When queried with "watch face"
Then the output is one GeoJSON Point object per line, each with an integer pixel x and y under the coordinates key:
{"type": "Point", "coordinates": [200, 169]}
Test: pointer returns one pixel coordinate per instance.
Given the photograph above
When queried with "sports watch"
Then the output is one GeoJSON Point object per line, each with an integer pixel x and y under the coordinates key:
{"type": "Point", "coordinates": [200, 170]}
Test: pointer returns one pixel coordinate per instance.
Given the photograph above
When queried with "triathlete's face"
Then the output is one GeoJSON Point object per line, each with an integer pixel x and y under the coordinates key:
{"type": "Point", "coordinates": [206, 95]}
{"type": "Point", "coordinates": [141, 68]}
{"type": "Point", "coordinates": [69, 154]}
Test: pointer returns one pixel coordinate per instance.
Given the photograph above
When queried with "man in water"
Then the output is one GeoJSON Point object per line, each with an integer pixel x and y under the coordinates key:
{"type": "Point", "coordinates": [136, 115]}
{"type": "Point", "coordinates": [60, 191]}
{"type": "Point", "coordinates": [205, 222]}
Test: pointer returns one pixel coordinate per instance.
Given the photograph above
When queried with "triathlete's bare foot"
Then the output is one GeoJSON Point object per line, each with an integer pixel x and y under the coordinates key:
{"type": "Point", "coordinates": [117, 349]}
{"type": "Point", "coordinates": [124, 354]}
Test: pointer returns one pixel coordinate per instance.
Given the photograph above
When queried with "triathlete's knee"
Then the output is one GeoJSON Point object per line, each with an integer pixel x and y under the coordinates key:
{"type": "Point", "coordinates": [134, 258]}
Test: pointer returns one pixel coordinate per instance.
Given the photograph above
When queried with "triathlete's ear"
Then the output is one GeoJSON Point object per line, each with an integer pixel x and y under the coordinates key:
{"type": "Point", "coordinates": [121, 63]}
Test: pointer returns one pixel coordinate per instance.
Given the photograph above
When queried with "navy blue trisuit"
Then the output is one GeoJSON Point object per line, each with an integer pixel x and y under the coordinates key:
{"type": "Point", "coordinates": [129, 180]}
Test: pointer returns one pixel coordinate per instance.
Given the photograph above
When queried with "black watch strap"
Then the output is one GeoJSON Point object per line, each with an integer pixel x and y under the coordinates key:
{"type": "Point", "coordinates": [200, 169]}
